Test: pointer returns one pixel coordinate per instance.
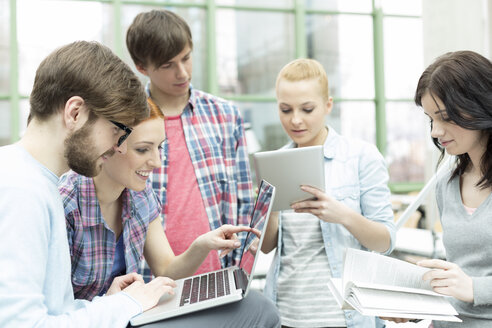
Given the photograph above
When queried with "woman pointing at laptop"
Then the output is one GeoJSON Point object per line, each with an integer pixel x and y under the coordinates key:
{"type": "Point", "coordinates": [355, 210]}
{"type": "Point", "coordinates": [112, 222]}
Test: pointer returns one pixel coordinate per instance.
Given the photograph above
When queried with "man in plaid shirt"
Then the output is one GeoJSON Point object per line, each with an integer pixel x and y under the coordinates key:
{"type": "Point", "coordinates": [204, 180]}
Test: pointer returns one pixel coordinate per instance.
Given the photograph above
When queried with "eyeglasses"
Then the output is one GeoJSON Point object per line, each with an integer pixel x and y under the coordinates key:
{"type": "Point", "coordinates": [124, 128]}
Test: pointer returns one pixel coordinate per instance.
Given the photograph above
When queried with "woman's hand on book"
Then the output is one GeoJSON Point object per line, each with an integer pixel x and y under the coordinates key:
{"type": "Point", "coordinates": [449, 279]}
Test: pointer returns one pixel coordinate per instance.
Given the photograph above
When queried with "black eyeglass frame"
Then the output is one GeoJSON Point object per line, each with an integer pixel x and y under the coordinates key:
{"type": "Point", "coordinates": [125, 128]}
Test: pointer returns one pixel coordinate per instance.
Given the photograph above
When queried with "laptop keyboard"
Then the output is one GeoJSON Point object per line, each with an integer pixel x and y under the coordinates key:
{"type": "Point", "coordinates": [205, 287]}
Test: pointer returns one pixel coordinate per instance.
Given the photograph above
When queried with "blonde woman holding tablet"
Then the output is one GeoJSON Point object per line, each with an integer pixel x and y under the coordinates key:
{"type": "Point", "coordinates": [355, 210]}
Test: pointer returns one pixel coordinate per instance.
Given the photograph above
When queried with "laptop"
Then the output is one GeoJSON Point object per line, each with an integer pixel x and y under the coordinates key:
{"type": "Point", "coordinates": [289, 168]}
{"type": "Point", "coordinates": [219, 287]}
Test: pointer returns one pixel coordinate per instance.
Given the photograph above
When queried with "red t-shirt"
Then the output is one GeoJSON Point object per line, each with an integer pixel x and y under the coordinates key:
{"type": "Point", "coordinates": [186, 218]}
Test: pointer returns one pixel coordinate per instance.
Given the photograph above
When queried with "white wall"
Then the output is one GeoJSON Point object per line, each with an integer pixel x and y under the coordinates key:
{"type": "Point", "coordinates": [451, 25]}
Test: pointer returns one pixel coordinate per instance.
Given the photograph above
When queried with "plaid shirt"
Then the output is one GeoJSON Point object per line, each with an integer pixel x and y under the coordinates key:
{"type": "Point", "coordinates": [215, 138]}
{"type": "Point", "coordinates": [92, 243]}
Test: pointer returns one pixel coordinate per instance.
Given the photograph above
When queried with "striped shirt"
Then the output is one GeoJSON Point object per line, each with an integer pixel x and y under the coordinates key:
{"type": "Point", "coordinates": [355, 175]}
{"type": "Point", "coordinates": [216, 142]}
{"type": "Point", "coordinates": [303, 297]}
{"type": "Point", "coordinates": [92, 243]}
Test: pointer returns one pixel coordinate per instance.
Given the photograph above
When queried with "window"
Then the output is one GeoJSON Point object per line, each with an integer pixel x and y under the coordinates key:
{"type": "Point", "coordinates": [373, 57]}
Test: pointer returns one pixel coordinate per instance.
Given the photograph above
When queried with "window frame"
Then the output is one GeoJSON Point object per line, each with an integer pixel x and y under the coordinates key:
{"type": "Point", "coordinates": [210, 6]}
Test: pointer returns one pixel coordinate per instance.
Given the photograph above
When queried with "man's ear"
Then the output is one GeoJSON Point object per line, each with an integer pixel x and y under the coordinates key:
{"type": "Point", "coordinates": [75, 113]}
{"type": "Point", "coordinates": [142, 69]}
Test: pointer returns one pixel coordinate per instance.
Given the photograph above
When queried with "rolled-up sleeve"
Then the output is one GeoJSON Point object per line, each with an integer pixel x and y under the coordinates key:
{"type": "Point", "coordinates": [374, 191]}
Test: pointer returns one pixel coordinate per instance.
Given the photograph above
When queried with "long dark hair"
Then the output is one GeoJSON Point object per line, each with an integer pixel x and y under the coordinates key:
{"type": "Point", "coordinates": [463, 82]}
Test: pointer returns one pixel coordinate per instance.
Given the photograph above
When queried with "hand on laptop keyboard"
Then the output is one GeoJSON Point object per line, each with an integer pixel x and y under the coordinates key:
{"type": "Point", "coordinates": [149, 294]}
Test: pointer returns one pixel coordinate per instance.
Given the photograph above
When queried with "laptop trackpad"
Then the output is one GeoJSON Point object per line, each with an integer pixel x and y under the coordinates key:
{"type": "Point", "coordinates": [166, 298]}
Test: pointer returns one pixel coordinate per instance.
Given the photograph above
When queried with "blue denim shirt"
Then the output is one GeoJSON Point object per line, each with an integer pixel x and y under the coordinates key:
{"type": "Point", "coordinates": [356, 175]}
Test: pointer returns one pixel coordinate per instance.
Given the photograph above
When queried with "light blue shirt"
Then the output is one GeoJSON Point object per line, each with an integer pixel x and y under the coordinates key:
{"type": "Point", "coordinates": [35, 287]}
{"type": "Point", "coordinates": [356, 175]}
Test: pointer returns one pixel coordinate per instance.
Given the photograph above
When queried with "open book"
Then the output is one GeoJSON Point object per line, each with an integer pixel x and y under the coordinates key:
{"type": "Point", "coordinates": [378, 285]}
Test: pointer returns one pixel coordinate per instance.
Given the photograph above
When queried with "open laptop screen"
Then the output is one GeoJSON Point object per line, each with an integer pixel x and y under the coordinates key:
{"type": "Point", "coordinates": [258, 219]}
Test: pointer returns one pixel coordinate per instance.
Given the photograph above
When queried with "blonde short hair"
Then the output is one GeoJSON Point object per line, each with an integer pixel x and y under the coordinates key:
{"type": "Point", "coordinates": [305, 69]}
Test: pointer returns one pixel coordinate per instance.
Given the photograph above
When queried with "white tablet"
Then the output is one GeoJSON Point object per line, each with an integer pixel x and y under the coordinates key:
{"type": "Point", "coordinates": [288, 169]}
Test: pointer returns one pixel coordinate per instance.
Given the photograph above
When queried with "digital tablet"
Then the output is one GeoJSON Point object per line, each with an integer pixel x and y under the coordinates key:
{"type": "Point", "coordinates": [288, 169]}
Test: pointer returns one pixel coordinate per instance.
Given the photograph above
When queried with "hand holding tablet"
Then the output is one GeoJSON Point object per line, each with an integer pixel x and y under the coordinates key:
{"type": "Point", "coordinates": [288, 169]}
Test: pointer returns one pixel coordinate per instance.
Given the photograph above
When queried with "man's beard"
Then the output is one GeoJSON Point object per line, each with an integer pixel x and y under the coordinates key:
{"type": "Point", "coordinates": [81, 153]}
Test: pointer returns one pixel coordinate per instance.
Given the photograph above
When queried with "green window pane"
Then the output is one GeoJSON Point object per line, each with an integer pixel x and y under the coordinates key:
{"type": "Point", "coordinates": [249, 56]}
{"type": "Point", "coordinates": [263, 119]}
{"type": "Point", "coordinates": [351, 118]}
{"type": "Point", "coordinates": [258, 3]}
{"type": "Point", "coordinates": [262, 128]}
{"type": "Point", "coordinates": [403, 56]}
{"type": "Point", "coordinates": [402, 7]}
{"type": "Point", "coordinates": [184, 2]}
{"type": "Point", "coordinates": [23, 115]}
{"type": "Point", "coordinates": [408, 135]}
{"type": "Point", "coordinates": [344, 45]}
{"type": "Point", "coordinates": [354, 119]}
{"type": "Point", "coordinates": [4, 123]}
{"type": "Point", "coordinates": [360, 6]}
{"type": "Point", "coordinates": [4, 47]}
{"type": "Point", "coordinates": [39, 34]}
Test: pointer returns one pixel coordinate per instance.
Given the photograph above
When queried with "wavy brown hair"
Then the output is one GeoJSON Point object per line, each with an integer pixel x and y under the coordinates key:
{"type": "Point", "coordinates": [108, 86]}
{"type": "Point", "coordinates": [463, 82]}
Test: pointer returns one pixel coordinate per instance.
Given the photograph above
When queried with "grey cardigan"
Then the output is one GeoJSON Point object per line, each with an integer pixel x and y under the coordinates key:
{"type": "Point", "coordinates": [468, 243]}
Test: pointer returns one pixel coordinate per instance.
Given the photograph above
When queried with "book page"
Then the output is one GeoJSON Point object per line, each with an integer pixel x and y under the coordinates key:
{"type": "Point", "coordinates": [335, 287]}
{"type": "Point", "coordinates": [372, 285]}
{"type": "Point", "coordinates": [393, 301]}
{"type": "Point", "coordinates": [371, 268]}
{"type": "Point", "coordinates": [392, 314]}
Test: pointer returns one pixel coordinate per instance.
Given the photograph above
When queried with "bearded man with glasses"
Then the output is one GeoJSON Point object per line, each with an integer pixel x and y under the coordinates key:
{"type": "Point", "coordinates": [83, 103]}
